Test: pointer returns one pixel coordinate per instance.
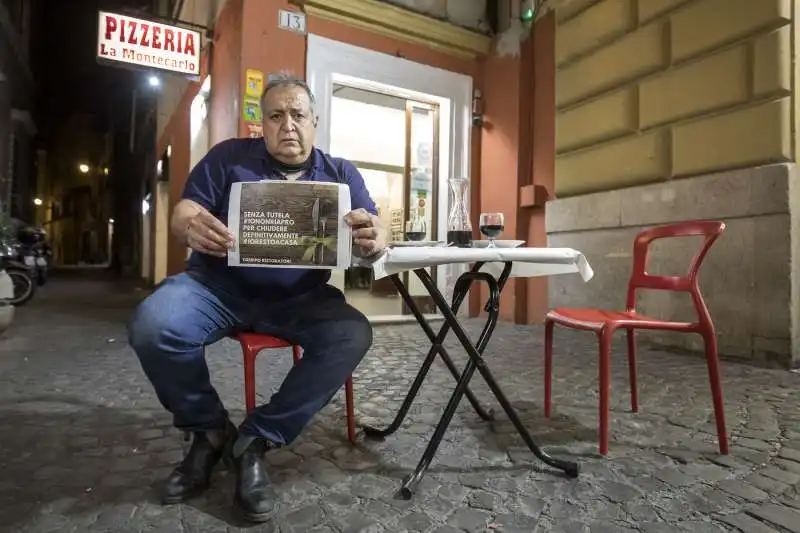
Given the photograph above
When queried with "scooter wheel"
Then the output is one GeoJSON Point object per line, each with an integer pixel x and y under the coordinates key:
{"type": "Point", "coordinates": [24, 287]}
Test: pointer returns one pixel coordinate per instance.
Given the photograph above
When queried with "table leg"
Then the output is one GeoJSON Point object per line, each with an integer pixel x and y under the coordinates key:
{"type": "Point", "coordinates": [437, 347]}
{"type": "Point", "coordinates": [475, 362]}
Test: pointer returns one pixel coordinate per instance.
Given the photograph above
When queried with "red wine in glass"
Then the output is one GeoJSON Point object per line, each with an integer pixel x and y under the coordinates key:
{"type": "Point", "coordinates": [416, 229]}
{"type": "Point", "coordinates": [491, 225]}
{"type": "Point", "coordinates": [492, 231]}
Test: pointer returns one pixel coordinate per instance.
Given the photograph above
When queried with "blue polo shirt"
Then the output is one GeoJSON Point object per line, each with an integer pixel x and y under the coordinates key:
{"type": "Point", "coordinates": [246, 160]}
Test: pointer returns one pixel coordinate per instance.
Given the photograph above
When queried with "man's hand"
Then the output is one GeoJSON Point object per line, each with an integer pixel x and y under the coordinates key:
{"type": "Point", "coordinates": [368, 232]}
{"type": "Point", "coordinates": [207, 235]}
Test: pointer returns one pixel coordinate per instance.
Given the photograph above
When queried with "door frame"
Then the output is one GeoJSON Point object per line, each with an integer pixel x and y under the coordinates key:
{"type": "Point", "coordinates": [329, 61]}
{"type": "Point", "coordinates": [425, 303]}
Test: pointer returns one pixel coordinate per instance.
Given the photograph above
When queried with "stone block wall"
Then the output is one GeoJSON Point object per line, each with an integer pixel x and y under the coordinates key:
{"type": "Point", "coordinates": [674, 110]}
{"type": "Point", "coordinates": [748, 279]}
{"type": "Point", "coordinates": [650, 90]}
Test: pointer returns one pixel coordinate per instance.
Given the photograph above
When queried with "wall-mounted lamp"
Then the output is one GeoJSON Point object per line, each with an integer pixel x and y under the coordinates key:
{"type": "Point", "coordinates": [84, 168]}
{"type": "Point", "coordinates": [528, 11]}
{"type": "Point", "coordinates": [37, 201]}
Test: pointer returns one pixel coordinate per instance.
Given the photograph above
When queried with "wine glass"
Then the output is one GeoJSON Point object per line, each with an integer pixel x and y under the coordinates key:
{"type": "Point", "coordinates": [416, 229]}
{"type": "Point", "coordinates": [491, 225]}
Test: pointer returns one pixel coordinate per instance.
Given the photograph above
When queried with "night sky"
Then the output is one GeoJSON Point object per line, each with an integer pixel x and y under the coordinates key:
{"type": "Point", "coordinates": [68, 76]}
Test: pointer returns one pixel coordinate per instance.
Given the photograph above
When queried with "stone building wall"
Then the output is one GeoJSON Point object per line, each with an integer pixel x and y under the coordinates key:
{"type": "Point", "coordinates": [672, 110]}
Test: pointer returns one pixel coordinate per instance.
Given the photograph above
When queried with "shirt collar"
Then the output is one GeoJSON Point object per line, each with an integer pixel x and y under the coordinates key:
{"type": "Point", "coordinates": [258, 149]}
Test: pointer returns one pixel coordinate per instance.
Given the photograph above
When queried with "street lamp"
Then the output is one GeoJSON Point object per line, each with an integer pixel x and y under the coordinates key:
{"type": "Point", "coordinates": [154, 82]}
{"type": "Point", "coordinates": [84, 168]}
{"type": "Point", "coordinates": [37, 201]}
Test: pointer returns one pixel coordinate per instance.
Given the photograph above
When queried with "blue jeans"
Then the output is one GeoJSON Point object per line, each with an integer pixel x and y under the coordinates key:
{"type": "Point", "coordinates": [170, 329]}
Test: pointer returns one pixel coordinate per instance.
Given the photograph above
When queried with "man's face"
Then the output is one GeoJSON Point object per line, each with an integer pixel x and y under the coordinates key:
{"type": "Point", "coordinates": [289, 124]}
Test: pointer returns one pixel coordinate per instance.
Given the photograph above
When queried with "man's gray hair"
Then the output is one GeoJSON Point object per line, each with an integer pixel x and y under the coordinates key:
{"type": "Point", "coordinates": [287, 79]}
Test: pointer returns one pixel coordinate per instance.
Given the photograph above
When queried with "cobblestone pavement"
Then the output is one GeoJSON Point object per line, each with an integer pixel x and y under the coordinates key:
{"type": "Point", "coordinates": [84, 443]}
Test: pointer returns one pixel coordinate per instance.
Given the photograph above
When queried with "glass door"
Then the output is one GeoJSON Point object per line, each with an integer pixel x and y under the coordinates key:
{"type": "Point", "coordinates": [368, 129]}
{"type": "Point", "coordinates": [421, 186]}
{"type": "Point", "coordinates": [394, 143]}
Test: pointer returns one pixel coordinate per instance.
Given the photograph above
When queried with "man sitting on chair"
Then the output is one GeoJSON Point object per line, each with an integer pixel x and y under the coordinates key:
{"type": "Point", "coordinates": [198, 307]}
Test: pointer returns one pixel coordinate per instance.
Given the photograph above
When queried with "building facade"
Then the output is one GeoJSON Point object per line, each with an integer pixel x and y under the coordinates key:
{"type": "Point", "coordinates": [74, 189]}
{"type": "Point", "coordinates": [438, 51]}
{"type": "Point", "coordinates": [17, 124]}
{"type": "Point", "coordinates": [612, 116]}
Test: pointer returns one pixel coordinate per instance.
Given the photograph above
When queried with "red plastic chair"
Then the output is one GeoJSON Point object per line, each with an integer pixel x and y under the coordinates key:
{"type": "Point", "coordinates": [605, 323]}
{"type": "Point", "coordinates": [252, 344]}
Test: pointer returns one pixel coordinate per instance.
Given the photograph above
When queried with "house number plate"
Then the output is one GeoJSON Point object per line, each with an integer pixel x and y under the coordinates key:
{"type": "Point", "coordinates": [292, 21]}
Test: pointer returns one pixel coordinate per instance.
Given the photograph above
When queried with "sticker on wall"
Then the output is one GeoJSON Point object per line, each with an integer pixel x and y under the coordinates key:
{"type": "Point", "coordinates": [254, 82]}
{"type": "Point", "coordinates": [255, 131]}
{"type": "Point", "coordinates": [424, 154]}
{"type": "Point", "coordinates": [251, 110]}
{"type": "Point", "coordinates": [421, 179]}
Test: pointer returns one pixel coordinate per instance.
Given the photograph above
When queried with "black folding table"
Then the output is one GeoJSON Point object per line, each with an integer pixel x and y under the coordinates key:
{"type": "Point", "coordinates": [476, 362]}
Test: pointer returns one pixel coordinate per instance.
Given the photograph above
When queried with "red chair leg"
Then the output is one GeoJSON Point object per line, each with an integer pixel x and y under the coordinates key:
{"type": "Point", "coordinates": [548, 365]}
{"type": "Point", "coordinates": [296, 353]}
{"type": "Point", "coordinates": [249, 378]}
{"type": "Point", "coordinates": [712, 357]}
{"type": "Point", "coordinates": [632, 370]}
{"type": "Point", "coordinates": [605, 386]}
{"type": "Point", "coordinates": [350, 408]}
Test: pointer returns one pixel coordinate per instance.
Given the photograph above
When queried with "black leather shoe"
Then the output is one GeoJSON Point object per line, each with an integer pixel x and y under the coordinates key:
{"type": "Point", "coordinates": [255, 495]}
{"type": "Point", "coordinates": [191, 478]}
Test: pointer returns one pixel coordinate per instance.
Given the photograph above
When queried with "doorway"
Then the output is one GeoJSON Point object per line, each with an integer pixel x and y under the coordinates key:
{"type": "Point", "coordinates": [331, 64]}
{"type": "Point", "coordinates": [400, 170]}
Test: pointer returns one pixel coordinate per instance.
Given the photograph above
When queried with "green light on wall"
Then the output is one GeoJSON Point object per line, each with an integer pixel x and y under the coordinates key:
{"type": "Point", "coordinates": [528, 15]}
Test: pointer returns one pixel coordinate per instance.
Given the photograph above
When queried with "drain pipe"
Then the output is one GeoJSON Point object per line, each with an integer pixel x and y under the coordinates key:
{"type": "Point", "coordinates": [176, 14]}
{"type": "Point", "coordinates": [510, 40]}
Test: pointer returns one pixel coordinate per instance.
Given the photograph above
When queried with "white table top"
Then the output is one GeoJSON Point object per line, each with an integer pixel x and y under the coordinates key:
{"type": "Point", "coordinates": [527, 262]}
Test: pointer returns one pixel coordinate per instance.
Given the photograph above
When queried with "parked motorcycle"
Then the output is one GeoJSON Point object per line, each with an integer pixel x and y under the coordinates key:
{"type": "Point", "coordinates": [34, 251]}
{"type": "Point", "coordinates": [22, 276]}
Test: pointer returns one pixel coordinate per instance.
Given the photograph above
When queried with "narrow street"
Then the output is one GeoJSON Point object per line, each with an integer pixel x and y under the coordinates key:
{"type": "Point", "coordinates": [84, 441]}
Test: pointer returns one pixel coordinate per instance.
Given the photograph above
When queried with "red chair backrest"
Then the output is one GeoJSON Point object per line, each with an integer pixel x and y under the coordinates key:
{"type": "Point", "coordinates": [640, 279]}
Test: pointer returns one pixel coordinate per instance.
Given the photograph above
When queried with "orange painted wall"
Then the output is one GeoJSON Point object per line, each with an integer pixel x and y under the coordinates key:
{"type": "Point", "coordinates": [500, 144]}
{"type": "Point", "coordinates": [542, 149]}
{"type": "Point", "coordinates": [225, 105]}
{"type": "Point", "coordinates": [387, 45]}
{"type": "Point", "coordinates": [518, 149]}
{"type": "Point", "coordinates": [223, 120]}
{"type": "Point", "coordinates": [267, 48]}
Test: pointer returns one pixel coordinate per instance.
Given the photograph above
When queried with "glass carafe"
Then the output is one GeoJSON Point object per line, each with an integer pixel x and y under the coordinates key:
{"type": "Point", "coordinates": [459, 228]}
